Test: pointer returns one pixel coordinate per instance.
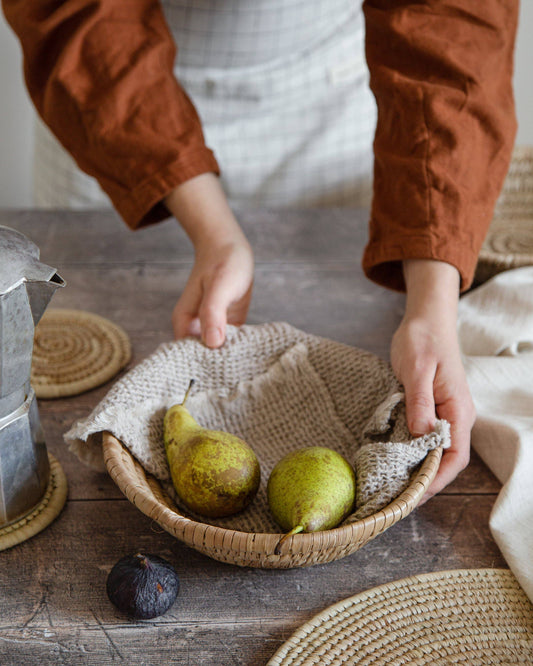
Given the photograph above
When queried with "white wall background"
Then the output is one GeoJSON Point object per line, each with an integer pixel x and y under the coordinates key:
{"type": "Point", "coordinates": [16, 113]}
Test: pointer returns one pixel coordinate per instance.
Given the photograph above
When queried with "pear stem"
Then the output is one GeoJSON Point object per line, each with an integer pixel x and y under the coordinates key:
{"type": "Point", "coordinates": [191, 384]}
{"type": "Point", "coordinates": [295, 530]}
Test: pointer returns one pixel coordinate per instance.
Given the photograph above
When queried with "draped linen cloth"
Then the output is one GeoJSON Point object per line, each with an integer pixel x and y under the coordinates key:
{"type": "Point", "coordinates": [496, 338]}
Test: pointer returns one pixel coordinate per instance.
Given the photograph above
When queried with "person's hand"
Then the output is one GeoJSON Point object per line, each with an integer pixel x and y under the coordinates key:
{"type": "Point", "coordinates": [218, 291]}
{"type": "Point", "coordinates": [426, 359]}
{"type": "Point", "coordinates": [219, 288]}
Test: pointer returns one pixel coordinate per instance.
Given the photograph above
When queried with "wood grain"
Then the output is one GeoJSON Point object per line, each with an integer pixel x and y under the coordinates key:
{"type": "Point", "coordinates": [58, 608]}
{"type": "Point", "coordinates": [54, 605]}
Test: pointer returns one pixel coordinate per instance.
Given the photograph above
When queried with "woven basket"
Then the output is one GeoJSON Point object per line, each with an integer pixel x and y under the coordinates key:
{"type": "Point", "coordinates": [509, 241]}
{"type": "Point", "coordinates": [254, 549]}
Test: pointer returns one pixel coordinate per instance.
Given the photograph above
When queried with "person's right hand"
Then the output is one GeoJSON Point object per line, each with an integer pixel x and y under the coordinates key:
{"type": "Point", "coordinates": [219, 288]}
{"type": "Point", "coordinates": [426, 358]}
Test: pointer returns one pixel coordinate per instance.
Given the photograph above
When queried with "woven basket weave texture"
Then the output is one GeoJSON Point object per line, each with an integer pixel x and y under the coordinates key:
{"type": "Point", "coordinates": [476, 617]}
{"type": "Point", "coordinates": [253, 549]}
{"type": "Point", "coordinates": [509, 241]}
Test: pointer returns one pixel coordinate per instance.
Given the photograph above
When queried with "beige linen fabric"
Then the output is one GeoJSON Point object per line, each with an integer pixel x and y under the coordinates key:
{"type": "Point", "coordinates": [496, 336]}
{"type": "Point", "coordinates": [279, 389]}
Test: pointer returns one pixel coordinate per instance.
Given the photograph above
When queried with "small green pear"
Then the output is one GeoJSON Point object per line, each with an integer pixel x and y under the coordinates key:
{"type": "Point", "coordinates": [310, 489]}
{"type": "Point", "coordinates": [214, 473]}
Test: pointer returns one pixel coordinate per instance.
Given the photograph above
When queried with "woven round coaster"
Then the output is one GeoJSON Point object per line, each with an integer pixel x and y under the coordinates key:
{"type": "Point", "coordinates": [509, 244]}
{"type": "Point", "coordinates": [509, 240]}
{"type": "Point", "coordinates": [472, 616]}
{"type": "Point", "coordinates": [43, 514]}
{"type": "Point", "coordinates": [76, 351]}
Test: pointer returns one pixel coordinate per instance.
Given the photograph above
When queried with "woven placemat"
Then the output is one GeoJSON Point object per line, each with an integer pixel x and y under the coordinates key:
{"type": "Point", "coordinates": [475, 617]}
{"type": "Point", "coordinates": [43, 514]}
{"type": "Point", "coordinates": [509, 240]}
{"type": "Point", "coordinates": [75, 351]}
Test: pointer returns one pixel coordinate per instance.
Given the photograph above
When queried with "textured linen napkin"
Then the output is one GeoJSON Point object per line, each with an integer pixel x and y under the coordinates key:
{"type": "Point", "coordinates": [496, 337]}
{"type": "Point", "coordinates": [279, 389]}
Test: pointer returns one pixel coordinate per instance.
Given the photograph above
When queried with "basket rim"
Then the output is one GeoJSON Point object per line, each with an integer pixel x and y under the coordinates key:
{"type": "Point", "coordinates": [397, 509]}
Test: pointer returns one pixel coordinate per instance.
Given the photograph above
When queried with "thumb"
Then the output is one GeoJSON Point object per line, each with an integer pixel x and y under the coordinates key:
{"type": "Point", "coordinates": [213, 311]}
{"type": "Point", "coordinates": [420, 404]}
{"type": "Point", "coordinates": [185, 312]}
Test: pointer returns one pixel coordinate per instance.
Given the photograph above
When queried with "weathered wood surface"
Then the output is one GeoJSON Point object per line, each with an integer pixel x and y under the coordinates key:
{"type": "Point", "coordinates": [54, 606]}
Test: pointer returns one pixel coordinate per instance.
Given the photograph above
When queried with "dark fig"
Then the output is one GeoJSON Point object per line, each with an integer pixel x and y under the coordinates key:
{"type": "Point", "coordinates": [142, 586]}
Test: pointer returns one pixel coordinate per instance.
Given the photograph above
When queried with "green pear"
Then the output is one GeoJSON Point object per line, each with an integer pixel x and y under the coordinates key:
{"type": "Point", "coordinates": [214, 473]}
{"type": "Point", "coordinates": [310, 489]}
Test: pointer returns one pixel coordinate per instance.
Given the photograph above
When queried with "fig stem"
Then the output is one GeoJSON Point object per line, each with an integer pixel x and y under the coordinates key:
{"type": "Point", "coordinates": [295, 530]}
{"type": "Point", "coordinates": [143, 561]}
{"type": "Point", "coordinates": [191, 384]}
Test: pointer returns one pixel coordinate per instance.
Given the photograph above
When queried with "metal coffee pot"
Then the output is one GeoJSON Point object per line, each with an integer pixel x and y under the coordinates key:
{"type": "Point", "coordinates": [26, 287]}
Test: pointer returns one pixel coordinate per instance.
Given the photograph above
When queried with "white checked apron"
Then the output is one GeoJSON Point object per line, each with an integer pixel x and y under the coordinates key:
{"type": "Point", "coordinates": [281, 87]}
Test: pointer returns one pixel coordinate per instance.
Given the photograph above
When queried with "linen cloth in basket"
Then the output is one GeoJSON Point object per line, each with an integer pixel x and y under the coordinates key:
{"type": "Point", "coordinates": [279, 389]}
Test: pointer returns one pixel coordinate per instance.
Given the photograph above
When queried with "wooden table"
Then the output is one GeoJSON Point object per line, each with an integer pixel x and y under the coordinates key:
{"type": "Point", "coordinates": [54, 605]}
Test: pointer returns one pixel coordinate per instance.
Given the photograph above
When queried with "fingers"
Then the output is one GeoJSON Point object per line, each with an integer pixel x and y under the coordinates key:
{"type": "Point", "coordinates": [419, 402]}
{"type": "Point", "coordinates": [453, 462]}
{"type": "Point", "coordinates": [206, 306]}
{"type": "Point", "coordinates": [460, 413]}
{"type": "Point", "coordinates": [185, 315]}
{"type": "Point", "coordinates": [202, 313]}
{"type": "Point", "coordinates": [432, 392]}
{"type": "Point", "coordinates": [214, 307]}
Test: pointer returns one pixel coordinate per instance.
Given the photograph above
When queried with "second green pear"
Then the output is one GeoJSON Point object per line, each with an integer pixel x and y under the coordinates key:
{"type": "Point", "coordinates": [311, 489]}
{"type": "Point", "coordinates": [215, 473]}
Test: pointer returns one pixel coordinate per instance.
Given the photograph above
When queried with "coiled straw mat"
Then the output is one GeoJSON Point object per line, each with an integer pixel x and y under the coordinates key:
{"type": "Point", "coordinates": [41, 515]}
{"type": "Point", "coordinates": [475, 617]}
{"type": "Point", "coordinates": [509, 241]}
{"type": "Point", "coordinates": [257, 549]}
{"type": "Point", "coordinates": [75, 351]}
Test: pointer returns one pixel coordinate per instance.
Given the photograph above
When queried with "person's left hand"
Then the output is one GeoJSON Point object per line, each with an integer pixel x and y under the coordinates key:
{"type": "Point", "coordinates": [219, 288]}
{"type": "Point", "coordinates": [426, 359]}
{"type": "Point", "coordinates": [217, 293]}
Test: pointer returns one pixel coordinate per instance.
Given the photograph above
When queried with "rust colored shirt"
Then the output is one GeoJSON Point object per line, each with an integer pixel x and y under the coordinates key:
{"type": "Point", "coordinates": [100, 73]}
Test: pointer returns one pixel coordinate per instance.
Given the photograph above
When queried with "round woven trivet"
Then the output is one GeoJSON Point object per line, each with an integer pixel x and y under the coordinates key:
{"type": "Point", "coordinates": [509, 241]}
{"type": "Point", "coordinates": [43, 514]}
{"type": "Point", "coordinates": [475, 617]}
{"type": "Point", "coordinates": [75, 351]}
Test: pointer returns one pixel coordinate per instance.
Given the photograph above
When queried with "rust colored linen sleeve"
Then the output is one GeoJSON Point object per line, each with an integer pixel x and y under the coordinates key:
{"type": "Point", "coordinates": [100, 73]}
{"type": "Point", "coordinates": [441, 73]}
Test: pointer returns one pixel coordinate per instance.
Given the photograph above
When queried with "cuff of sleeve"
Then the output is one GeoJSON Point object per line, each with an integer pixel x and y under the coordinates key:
{"type": "Point", "coordinates": [383, 263]}
{"type": "Point", "coordinates": [144, 204]}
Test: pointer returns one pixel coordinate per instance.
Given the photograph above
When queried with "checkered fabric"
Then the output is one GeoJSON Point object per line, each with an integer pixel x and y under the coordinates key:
{"type": "Point", "coordinates": [282, 89]}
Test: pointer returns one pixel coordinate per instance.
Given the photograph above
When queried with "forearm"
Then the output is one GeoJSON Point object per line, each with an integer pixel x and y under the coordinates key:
{"type": "Point", "coordinates": [432, 290]}
{"type": "Point", "coordinates": [201, 207]}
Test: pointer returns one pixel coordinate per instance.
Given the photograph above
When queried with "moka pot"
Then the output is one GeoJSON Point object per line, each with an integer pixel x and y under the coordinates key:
{"type": "Point", "coordinates": [26, 287]}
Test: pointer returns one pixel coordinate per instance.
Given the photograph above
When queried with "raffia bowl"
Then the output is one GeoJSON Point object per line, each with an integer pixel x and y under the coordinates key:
{"type": "Point", "coordinates": [257, 549]}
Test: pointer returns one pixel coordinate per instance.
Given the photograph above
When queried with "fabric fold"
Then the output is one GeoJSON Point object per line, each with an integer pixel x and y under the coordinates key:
{"type": "Point", "coordinates": [278, 388]}
{"type": "Point", "coordinates": [496, 335]}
